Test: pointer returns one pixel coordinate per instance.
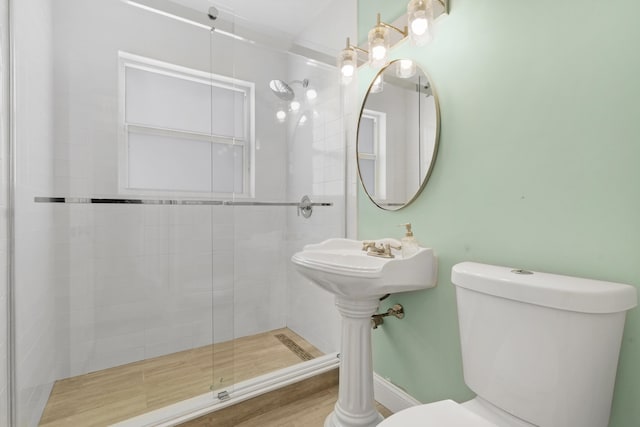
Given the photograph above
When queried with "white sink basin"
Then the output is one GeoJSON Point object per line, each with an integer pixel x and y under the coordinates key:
{"type": "Point", "coordinates": [341, 267]}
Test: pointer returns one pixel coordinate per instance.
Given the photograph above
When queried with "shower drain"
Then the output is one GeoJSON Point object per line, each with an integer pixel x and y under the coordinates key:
{"type": "Point", "coordinates": [291, 345]}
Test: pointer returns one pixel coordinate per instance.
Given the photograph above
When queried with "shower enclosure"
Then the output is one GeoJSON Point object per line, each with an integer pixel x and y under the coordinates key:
{"type": "Point", "coordinates": [156, 189]}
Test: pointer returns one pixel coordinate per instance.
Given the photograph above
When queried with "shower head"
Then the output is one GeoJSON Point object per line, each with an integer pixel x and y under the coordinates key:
{"type": "Point", "coordinates": [283, 91]}
{"type": "Point", "coordinates": [213, 13]}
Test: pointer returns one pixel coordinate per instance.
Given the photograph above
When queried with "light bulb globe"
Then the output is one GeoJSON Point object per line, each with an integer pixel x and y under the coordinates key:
{"type": "Point", "coordinates": [378, 46]}
{"type": "Point", "coordinates": [347, 62]}
{"type": "Point", "coordinates": [347, 70]}
{"type": "Point", "coordinates": [420, 21]}
{"type": "Point", "coordinates": [419, 26]}
{"type": "Point", "coordinates": [378, 52]}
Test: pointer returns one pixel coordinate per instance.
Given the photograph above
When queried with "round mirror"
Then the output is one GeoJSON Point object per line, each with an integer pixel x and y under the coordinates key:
{"type": "Point", "coordinates": [397, 135]}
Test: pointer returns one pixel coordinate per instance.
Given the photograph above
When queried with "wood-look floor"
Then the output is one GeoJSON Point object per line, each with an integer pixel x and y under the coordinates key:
{"type": "Point", "coordinates": [104, 397]}
{"type": "Point", "coordinates": [309, 411]}
{"type": "Point", "coordinates": [303, 404]}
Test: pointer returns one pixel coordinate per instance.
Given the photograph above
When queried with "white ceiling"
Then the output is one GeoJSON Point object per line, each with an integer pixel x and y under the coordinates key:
{"type": "Point", "coordinates": [318, 24]}
{"type": "Point", "coordinates": [289, 16]}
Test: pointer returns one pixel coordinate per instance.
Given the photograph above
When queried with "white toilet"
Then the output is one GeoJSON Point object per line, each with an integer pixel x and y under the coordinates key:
{"type": "Point", "coordinates": [538, 350]}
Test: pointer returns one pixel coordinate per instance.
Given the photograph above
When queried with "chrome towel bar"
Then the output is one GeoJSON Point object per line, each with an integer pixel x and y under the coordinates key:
{"type": "Point", "coordinates": [305, 205]}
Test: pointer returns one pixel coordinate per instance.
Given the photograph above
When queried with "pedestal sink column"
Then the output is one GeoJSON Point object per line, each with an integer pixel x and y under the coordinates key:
{"type": "Point", "coordinates": [341, 267]}
{"type": "Point", "coordinates": [356, 405]}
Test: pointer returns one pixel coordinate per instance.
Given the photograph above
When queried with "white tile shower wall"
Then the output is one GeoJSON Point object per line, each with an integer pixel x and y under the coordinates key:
{"type": "Point", "coordinates": [37, 325]}
{"type": "Point", "coordinates": [316, 168]}
{"type": "Point", "coordinates": [260, 274]}
{"type": "Point", "coordinates": [151, 285]}
{"type": "Point", "coordinates": [151, 280]}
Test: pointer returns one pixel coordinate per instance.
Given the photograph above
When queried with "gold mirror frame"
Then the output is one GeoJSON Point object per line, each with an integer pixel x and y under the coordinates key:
{"type": "Point", "coordinates": [424, 177]}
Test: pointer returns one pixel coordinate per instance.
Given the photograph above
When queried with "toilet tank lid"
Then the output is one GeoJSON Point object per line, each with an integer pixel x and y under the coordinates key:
{"type": "Point", "coordinates": [548, 290]}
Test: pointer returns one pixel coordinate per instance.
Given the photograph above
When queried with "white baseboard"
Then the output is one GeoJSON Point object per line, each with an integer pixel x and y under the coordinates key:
{"type": "Point", "coordinates": [391, 396]}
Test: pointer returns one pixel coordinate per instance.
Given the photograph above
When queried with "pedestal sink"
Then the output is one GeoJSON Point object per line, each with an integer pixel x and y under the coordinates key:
{"type": "Point", "coordinates": [358, 281]}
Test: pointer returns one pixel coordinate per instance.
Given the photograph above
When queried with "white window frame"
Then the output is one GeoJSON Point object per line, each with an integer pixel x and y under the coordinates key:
{"type": "Point", "coordinates": [128, 60]}
{"type": "Point", "coordinates": [379, 156]}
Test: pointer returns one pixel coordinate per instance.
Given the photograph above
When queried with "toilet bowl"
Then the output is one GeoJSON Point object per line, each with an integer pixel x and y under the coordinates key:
{"type": "Point", "coordinates": [523, 339]}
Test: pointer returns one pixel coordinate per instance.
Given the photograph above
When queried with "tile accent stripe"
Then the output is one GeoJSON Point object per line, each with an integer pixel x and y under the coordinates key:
{"type": "Point", "coordinates": [291, 345]}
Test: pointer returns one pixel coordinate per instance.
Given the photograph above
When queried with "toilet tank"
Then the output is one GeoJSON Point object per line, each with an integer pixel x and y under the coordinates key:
{"type": "Point", "coordinates": [542, 347]}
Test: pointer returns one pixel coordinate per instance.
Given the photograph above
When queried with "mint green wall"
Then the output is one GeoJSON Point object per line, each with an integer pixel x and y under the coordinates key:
{"type": "Point", "coordinates": [538, 168]}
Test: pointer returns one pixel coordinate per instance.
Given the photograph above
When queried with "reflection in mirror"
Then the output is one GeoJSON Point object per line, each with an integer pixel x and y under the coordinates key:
{"type": "Point", "coordinates": [397, 135]}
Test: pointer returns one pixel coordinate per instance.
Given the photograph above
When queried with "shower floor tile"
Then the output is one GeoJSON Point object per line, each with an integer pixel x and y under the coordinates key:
{"type": "Point", "coordinates": [115, 394]}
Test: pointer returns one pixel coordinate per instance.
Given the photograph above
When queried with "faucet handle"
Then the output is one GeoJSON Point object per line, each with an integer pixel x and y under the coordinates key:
{"type": "Point", "coordinates": [366, 245]}
{"type": "Point", "coordinates": [388, 247]}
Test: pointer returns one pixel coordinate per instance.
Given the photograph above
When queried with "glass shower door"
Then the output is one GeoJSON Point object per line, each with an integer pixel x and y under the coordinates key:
{"type": "Point", "coordinates": [114, 269]}
{"type": "Point", "coordinates": [156, 209]}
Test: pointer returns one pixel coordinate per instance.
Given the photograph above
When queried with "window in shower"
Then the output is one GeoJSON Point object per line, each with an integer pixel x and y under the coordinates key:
{"type": "Point", "coordinates": [184, 132]}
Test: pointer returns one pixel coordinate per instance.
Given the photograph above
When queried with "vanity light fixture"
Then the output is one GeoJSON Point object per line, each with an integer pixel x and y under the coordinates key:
{"type": "Point", "coordinates": [348, 62]}
{"type": "Point", "coordinates": [419, 19]}
{"type": "Point", "coordinates": [281, 115]}
{"type": "Point", "coordinates": [379, 43]}
{"type": "Point", "coordinates": [294, 106]}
